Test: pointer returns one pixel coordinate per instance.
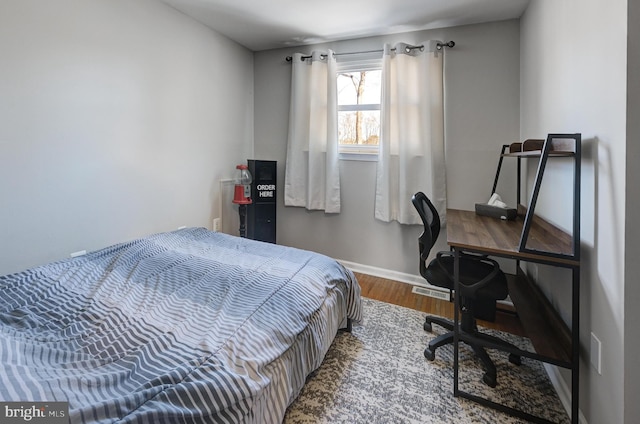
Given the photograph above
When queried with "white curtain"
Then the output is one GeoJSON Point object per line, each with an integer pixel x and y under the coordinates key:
{"type": "Point", "coordinates": [411, 157]}
{"type": "Point", "coordinates": [312, 177]}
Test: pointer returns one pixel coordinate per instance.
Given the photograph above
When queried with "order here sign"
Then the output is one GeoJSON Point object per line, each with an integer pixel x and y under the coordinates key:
{"type": "Point", "coordinates": [266, 190]}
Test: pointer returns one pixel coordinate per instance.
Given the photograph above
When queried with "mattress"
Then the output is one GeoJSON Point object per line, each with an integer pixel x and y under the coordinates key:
{"type": "Point", "coordinates": [190, 326]}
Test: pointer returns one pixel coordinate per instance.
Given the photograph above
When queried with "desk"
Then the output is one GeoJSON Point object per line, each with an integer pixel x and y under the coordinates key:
{"type": "Point", "coordinates": [554, 343]}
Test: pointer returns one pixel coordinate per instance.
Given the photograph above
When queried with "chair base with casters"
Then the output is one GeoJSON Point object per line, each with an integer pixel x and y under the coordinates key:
{"type": "Point", "coordinates": [468, 326]}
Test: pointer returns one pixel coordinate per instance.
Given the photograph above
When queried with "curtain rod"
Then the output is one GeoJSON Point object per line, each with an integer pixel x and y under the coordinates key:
{"type": "Point", "coordinates": [439, 46]}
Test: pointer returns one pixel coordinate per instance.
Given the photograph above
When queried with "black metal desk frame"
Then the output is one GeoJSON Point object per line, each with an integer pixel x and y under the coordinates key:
{"type": "Point", "coordinates": [565, 145]}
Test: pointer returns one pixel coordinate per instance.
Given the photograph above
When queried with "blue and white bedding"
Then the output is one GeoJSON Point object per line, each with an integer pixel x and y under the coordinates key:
{"type": "Point", "coordinates": [190, 326]}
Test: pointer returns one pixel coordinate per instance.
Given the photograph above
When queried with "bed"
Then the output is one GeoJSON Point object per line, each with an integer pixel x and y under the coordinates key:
{"type": "Point", "coordinates": [189, 326]}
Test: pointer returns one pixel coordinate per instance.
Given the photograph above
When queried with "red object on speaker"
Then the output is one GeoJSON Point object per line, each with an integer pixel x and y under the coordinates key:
{"type": "Point", "coordinates": [242, 191]}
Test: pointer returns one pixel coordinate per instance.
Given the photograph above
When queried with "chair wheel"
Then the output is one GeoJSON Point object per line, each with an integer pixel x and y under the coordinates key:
{"type": "Point", "coordinates": [429, 354]}
{"type": "Point", "coordinates": [515, 359]}
{"type": "Point", "coordinates": [489, 380]}
{"type": "Point", "coordinates": [427, 326]}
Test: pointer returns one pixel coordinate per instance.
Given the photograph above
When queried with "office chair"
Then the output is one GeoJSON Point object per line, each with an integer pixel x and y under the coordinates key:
{"type": "Point", "coordinates": [481, 282]}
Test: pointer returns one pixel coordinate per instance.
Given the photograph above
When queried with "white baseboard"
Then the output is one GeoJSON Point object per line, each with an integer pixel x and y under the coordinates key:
{"type": "Point", "coordinates": [415, 280]}
{"type": "Point", "coordinates": [563, 391]}
{"type": "Point", "coordinates": [403, 277]}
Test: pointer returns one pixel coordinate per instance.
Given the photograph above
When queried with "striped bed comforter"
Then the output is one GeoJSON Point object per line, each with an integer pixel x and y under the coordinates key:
{"type": "Point", "coordinates": [190, 326]}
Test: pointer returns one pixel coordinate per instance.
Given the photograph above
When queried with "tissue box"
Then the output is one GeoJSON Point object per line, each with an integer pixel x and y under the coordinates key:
{"type": "Point", "coordinates": [496, 211]}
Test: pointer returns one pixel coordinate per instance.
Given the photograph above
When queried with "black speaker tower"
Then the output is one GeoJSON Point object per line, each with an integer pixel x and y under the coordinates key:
{"type": "Point", "coordinates": [261, 214]}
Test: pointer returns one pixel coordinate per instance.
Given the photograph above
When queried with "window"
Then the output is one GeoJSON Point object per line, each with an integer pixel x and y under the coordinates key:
{"type": "Point", "coordinates": [359, 94]}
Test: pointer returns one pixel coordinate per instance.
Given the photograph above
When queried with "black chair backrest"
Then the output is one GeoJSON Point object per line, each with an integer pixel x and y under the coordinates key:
{"type": "Point", "coordinates": [431, 221]}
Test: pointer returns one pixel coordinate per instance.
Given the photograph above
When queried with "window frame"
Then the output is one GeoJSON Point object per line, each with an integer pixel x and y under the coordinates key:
{"type": "Point", "coordinates": [368, 152]}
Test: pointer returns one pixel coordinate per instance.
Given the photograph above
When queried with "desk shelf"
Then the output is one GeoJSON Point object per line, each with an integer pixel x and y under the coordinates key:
{"type": "Point", "coordinates": [534, 148]}
{"type": "Point", "coordinates": [550, 336]}
{"type": "Point", "coordinates": [555, 145]}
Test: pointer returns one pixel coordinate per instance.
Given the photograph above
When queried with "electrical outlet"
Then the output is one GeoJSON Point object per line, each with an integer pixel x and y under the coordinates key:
{"type": "Point", "coordinates": [596, 353]}
{"type": "Point", "coordinates": [216, 224]}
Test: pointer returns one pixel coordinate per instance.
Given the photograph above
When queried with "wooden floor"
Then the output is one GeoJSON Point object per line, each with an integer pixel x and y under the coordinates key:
{"type": "Point", "coordinates": [399, 293]}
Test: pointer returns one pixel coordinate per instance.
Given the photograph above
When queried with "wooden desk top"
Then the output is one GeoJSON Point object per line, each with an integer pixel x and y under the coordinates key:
{"type": "Point", "coordinates": [467, 230]}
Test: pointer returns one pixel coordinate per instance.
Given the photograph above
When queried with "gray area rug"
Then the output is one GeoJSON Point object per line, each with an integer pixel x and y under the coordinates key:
{"type": "Point", "coordinates": [378, 374]}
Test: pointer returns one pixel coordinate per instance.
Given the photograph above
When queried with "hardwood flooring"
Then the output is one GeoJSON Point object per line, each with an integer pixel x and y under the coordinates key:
{"type": "Point", "coordinates": [399, 293]}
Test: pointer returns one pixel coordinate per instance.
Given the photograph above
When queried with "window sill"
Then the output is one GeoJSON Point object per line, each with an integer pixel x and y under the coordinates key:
{"type": "Point", "coordinates": [363, 157]}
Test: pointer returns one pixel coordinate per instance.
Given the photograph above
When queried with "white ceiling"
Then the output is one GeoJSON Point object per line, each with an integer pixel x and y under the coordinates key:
{"type": "Point", "coordinates": [267, 24]}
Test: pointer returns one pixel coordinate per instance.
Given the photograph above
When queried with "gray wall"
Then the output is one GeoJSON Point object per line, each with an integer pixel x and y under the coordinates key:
{"type": "Point", "coordinates": [573, 79]}
{"type": "Point", "coordinates": [482, 113]}
{"type": "Point", "coordinates": [632, 200]}
{"type": "Point", "coordinates": [118, 118]}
